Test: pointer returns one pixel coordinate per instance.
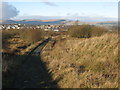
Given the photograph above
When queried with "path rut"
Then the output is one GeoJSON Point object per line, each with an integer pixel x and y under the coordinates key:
{"type": "Point", "coordinates": [33, 73]}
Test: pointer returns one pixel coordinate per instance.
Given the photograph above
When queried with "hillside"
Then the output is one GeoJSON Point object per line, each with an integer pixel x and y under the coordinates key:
{"type": "Point", "coordinates": [55, 21]}
{"type": "Point", "coordinates": [83, 63]}
{"type": "Point", "coordinates": [33, 22]}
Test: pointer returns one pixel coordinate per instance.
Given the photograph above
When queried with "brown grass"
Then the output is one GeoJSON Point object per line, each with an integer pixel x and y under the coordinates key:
{"type": "Point", "coordinates": [84, 63]}
{"type": "Point", "coordinates": [12, 56]}
{"type": "Point", "coordinates": [10, 65]}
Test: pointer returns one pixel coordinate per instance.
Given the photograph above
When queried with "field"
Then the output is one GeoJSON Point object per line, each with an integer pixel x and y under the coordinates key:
{"type": "Point", "coordinates": [83, 57]}
{"type": "Point", "coordinates": [15, 48]}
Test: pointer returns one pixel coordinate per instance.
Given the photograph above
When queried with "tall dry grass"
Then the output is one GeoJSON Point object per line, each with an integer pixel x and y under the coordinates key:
{"type": "Point", "coordinates": [11, 54]}
{"type": "Point", "coordinates": [6, 35]}
{"type": "Point", "coordinates": [84, 63]}
{"type": "Point", "coordinates": [10, 65]}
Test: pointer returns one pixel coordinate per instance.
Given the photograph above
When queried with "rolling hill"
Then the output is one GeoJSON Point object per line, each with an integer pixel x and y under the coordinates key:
{"type": "Point", "coordinates": [33, 22]}
{"type": "Point", "coordinates": [54, 21]}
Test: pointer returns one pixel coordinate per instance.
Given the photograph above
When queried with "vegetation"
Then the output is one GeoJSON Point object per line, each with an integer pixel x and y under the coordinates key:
{"type": "Point", "coordinates": [20, 37]}
{"type": "Point", "coordinates": [84, 63]}
{"type": "Point", "coordinates": [88, 61]}
{"type": "Point", "coordinates": [9, 33]}
{"type": "Point", "coordinates": [50, 33]}
{"type": "Point", "coordinates": [6, 35]}
{"type": "Point", "coordinates": [86, 31]}
{"type": "Point", "coordinates": [10, 65]}
{"type": "Point", "coordinates": [32, 36]}
{"type": "Point", "coordinates": [98, 31]}
{"type": "Point", "coordinates": [80, 31]}
{"type": "Point", "coordinates": [12, 56]}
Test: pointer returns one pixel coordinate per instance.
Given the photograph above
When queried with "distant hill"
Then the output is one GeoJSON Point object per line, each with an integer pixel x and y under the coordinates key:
{"type": "Point", "coordinates": [33, 22]}
{"type": "Point", "coordinates": [54, 21]}
{"type": "Point", "coordinates": [114, 22]}
{"type": "Point", "coordinates": [8, 22]}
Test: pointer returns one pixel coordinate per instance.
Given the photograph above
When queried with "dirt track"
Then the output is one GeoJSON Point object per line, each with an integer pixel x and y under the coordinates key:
{"type": "Point", "coordinates": [33, 73]}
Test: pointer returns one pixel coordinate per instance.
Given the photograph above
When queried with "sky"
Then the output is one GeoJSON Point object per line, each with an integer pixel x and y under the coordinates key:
{"type": "Point", "coordinates": [66, 9]}
{"type": "Point", "coordinates": [105, 9]}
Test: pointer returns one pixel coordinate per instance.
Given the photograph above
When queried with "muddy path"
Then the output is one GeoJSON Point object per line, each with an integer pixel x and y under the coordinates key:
{"type": "Point", "coordinates": [33, 72]}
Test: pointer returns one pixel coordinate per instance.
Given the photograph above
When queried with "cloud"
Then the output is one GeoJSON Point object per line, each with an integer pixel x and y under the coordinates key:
{"type": "Point", "coordinates": [48, 3]}
{"type": "Point", "coordinates": [8, 11]}
{"type": "Point", "coordinates": [72, 14]}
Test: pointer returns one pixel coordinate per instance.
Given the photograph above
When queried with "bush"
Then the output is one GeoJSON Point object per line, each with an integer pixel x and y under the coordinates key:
{"type": "Point", "coordinates": [86, 31]}
{"type": "Point", "coordinates": [32, 36]}
{"type": "Point", "coordinates": [98, 31]}
{"type": "Point", "coordinates": [83, 31]}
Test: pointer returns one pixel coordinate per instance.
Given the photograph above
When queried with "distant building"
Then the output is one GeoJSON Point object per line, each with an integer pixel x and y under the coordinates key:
{"type": "Point", "coordinates": [56, 30]}
{"type": "Point", "coordinates": [46, 29]}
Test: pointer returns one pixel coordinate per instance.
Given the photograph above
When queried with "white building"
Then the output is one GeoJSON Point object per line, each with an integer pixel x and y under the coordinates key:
{"type": "Point", "coordinates": [56, 30]}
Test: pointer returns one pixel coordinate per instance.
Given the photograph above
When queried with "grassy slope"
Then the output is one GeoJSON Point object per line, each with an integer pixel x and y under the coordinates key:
{"type": "Point", "coordinates": [81, 63]}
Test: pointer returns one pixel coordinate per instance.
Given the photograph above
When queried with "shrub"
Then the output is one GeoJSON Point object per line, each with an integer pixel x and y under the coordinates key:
{"type": "Point", "coordinates": [83, 31]}
{"type": "Point", "coordinates": [98, 31]}
{"type": "Point", "coordinates": [32, 36]}
{"type": "Point", "coordinates": [86, 31]}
